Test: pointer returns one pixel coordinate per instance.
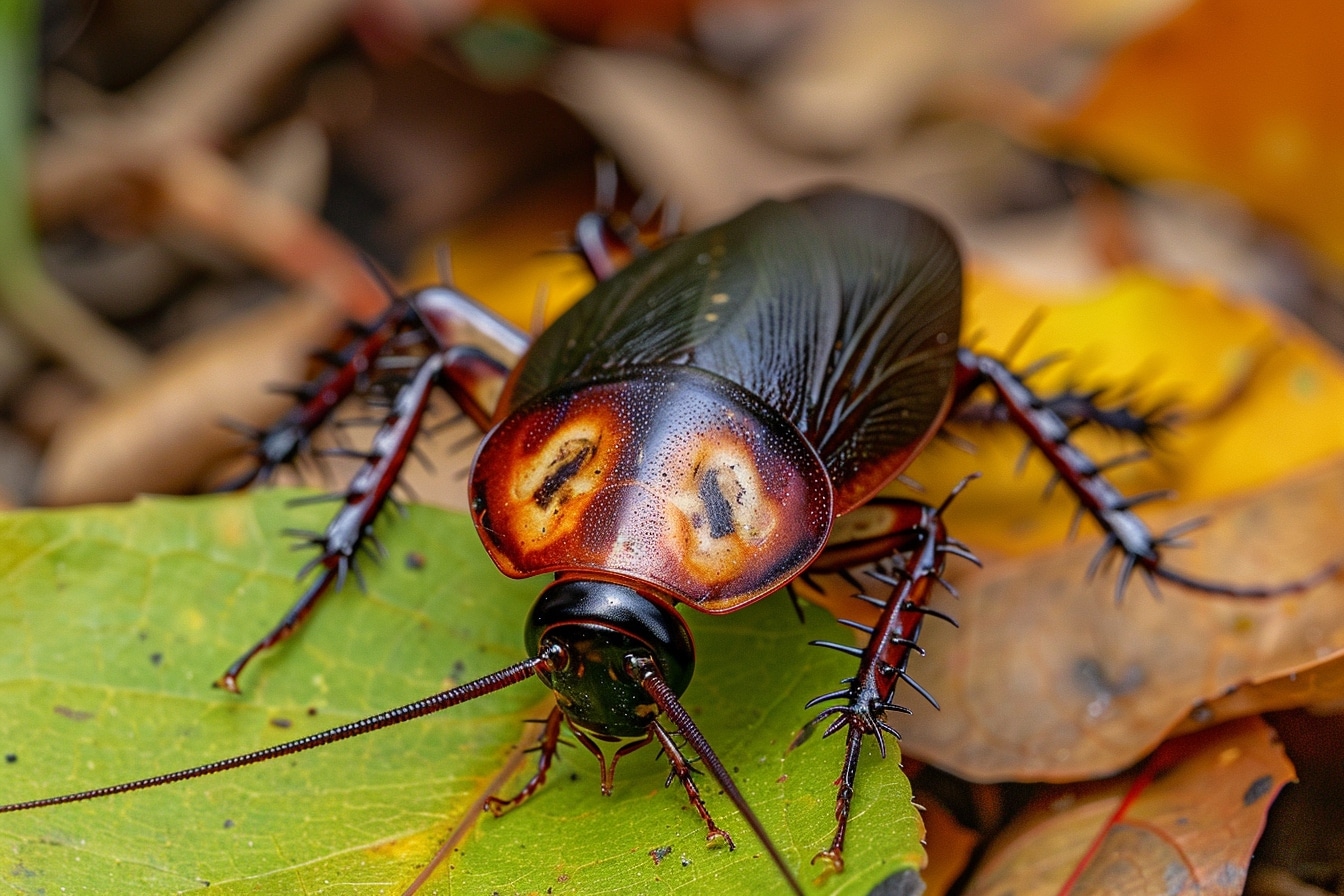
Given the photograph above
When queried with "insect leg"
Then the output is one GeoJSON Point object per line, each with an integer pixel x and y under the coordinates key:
{"type": "Point", "coordinates": [681, 767]}
{"type": "Point", "coordinates": [1139, 548]}
{"type": "Point", "coordinates": [916, 564]}
{"type": "Point", "coordinates": [608, 239]}
{"type": "Point", "coordinates": [282, 442]}
{"type": "Point", "coordinates": [467, 363]}
{"type": "Point", "coordinates": [352, 526]}
{"type": "Point", "coordinates": [546, 747]}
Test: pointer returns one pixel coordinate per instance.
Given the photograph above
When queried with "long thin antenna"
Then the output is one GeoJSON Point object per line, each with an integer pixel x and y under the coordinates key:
{"type": "Point", "coordinates": [644, 669]}
{"type": "Point", "coordinates": [460, 694]}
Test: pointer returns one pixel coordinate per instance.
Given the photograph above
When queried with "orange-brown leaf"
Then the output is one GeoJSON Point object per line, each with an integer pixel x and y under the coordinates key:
{"type": "Point", "coordinates": [1189, 830]}
{"type": "Point", "coordinates": [1239, 94]}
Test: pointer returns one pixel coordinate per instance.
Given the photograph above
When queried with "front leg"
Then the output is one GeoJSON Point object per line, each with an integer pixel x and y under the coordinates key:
{"type": "Point", "coordinates": [919, 548]}
{"type": "Point", "coordinates": [547, 746]}
{"type": "Point", "coordinates": [682, 771]}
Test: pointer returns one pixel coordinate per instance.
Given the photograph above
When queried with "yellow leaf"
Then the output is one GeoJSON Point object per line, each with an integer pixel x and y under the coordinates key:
{"type": "Point", "coordinates": [514, 257]}
{"type": "Point", "coordinates": [1257, 397]}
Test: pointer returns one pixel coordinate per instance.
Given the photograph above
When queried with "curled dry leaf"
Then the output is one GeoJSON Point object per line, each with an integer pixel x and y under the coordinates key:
{"type": "Point", "coordinates": [1319, 686]}
{"type": "Point", "coordinates": [162, 433]}
{"type": "Point", "coordinates": [1186, 824]}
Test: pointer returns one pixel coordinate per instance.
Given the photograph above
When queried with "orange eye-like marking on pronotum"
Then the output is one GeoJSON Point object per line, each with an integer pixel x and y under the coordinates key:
{"type": "Point", "coordinates": [551, 488]}
{"type": "Point", "coordinates": [670, 477]}
{"type": "Point", "coordinates": [725, 514]}
{"type": "Point", "coordinates": [548, 476]}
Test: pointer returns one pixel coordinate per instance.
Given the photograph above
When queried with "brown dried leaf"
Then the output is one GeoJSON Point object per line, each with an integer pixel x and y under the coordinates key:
{"type": "Point", "coordinates": [162, 433]}
{"type": "Point", "coordinates": [1048, 679]}
{"type": "Point", "coordinates": [1319, 686]}
{"type": "Point", "coordinates": [947, 844]}
{"type": "Point", "coordinates": [1189, 829]}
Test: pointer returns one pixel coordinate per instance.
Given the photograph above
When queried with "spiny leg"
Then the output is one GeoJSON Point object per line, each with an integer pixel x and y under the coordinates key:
{"type": "Point", "coordinates": [283, 442]}
{"type": "Point", "coordinates": [474, 379]}
{"type": "Point", "coordinates": [1126, 534]}
{"type": "Point", "coordinates": [681, 768]}
{"type": "Point", "coordinates": [547, 745]}
{"type": "Point", "coordinates": [350, 532]}
{"type": "Point", "coordinates": [911, 575]}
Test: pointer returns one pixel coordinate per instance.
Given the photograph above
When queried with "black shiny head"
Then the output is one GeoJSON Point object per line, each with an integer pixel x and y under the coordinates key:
{"type": "Point", "coordinates": [587, 630]}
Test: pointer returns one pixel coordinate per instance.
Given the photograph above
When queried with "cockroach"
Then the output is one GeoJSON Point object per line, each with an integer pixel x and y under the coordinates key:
{"type": "Point", "coordinates": [713, 421]}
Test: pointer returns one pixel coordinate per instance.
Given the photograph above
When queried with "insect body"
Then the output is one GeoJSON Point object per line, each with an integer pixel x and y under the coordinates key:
{"type": "Point", "coordinates": [689, 434]}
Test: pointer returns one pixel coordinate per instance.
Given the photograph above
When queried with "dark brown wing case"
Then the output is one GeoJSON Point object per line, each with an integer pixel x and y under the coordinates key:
{"type": "Point", "coordinates": [840, 310]}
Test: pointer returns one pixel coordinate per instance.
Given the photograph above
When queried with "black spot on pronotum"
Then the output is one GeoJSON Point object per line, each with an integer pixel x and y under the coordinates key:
{"type": "Point", "coordinates": [569, 460]}
{"type": "Point", "coordinates": [1259, 787]}
{"type": "Point", "coordinates": [155, 658]}
{"type": "Point", "coordinates": [228, 823]}
{"type": "Point", "coordinates": [11, 758]}
{"type": "Point", "coordinates": [717, 508]}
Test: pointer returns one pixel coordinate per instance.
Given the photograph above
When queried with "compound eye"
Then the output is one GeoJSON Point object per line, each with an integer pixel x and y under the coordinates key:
{"type": "Point", "coordinates": [556, 655]}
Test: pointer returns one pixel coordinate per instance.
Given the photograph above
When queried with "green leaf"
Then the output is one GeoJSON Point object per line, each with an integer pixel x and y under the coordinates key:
{"type": "Point", "coordinates": [116, 620]}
